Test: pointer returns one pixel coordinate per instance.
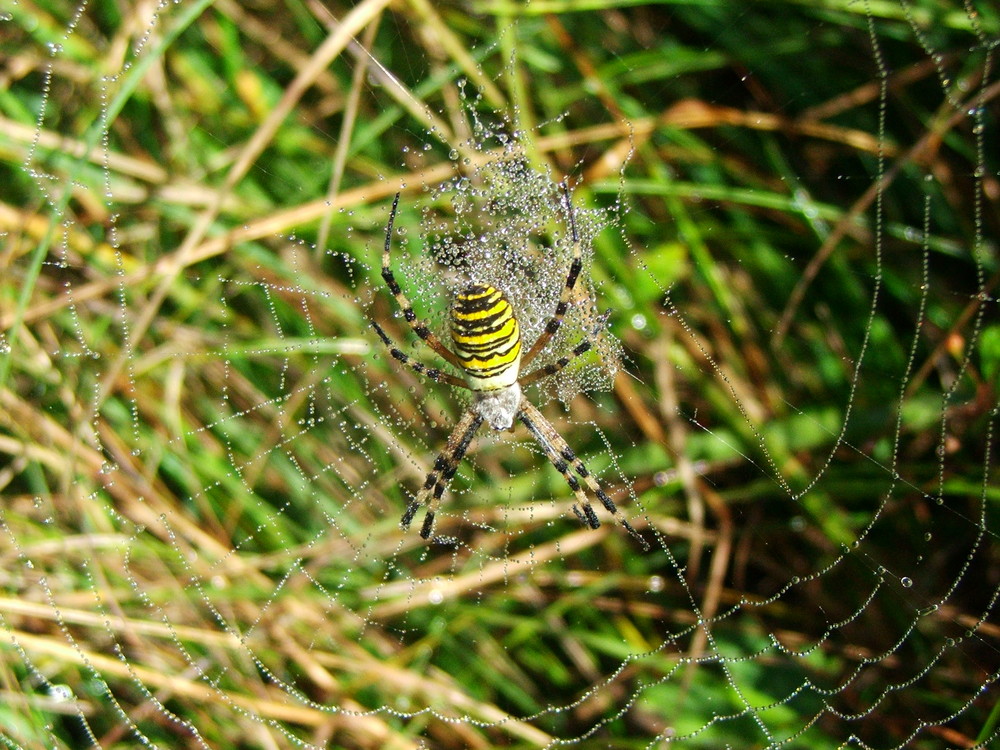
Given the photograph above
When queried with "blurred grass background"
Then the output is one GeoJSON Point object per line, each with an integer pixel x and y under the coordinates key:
{"type": "Point", "coordinates": [205, 453]}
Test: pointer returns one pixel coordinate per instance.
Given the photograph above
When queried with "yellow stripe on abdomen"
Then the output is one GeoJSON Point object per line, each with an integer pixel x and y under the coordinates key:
{"type": "Point", "coordinates": [487, 337]}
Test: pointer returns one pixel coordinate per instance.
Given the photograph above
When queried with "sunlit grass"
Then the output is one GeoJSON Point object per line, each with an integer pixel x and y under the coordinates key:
{"type": "Point", "coordinates": [206, 453]}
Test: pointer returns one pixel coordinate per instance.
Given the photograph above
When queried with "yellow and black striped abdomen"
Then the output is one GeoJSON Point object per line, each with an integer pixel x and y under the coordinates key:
{"type": "Point", "coordinates": [487, 337]}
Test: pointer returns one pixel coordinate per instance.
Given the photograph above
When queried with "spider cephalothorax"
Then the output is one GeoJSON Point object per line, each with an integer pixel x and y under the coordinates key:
{"type": "Point", "coordinates": [487, 350]}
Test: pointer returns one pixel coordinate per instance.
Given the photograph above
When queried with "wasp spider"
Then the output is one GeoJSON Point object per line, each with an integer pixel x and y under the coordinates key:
{"type": "Point", "coordinates": [487, 350]}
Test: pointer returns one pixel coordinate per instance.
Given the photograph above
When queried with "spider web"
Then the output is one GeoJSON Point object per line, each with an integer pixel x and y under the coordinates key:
{"type": "Point", "coordinates": [793, 397]}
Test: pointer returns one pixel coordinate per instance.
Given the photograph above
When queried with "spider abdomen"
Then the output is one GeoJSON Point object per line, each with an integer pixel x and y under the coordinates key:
{"type": "Point", "coordinates": [487, 337]}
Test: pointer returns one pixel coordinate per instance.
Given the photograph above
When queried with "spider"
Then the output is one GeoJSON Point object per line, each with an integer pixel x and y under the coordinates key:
{"type": "Point", "coordinates": [487, 350]}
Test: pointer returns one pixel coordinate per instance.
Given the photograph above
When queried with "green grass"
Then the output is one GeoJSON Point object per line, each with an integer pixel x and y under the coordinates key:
{"type": "Point", "coordinates": [205, 452]}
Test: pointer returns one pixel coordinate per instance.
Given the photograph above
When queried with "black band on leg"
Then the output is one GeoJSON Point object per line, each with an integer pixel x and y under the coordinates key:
{"type": "Point", "coordinates": [408, 514]}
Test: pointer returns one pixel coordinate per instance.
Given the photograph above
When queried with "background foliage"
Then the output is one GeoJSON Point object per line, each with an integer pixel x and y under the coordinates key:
{"type": "Point", "coordinates": [205, 454]}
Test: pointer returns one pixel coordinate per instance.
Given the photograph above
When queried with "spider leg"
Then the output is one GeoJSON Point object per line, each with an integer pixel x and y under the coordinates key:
{"type": "Point", "coordinates": [445, 466]}
{"type": "Point", "coordinates": [419, 326]}
{"type": "Point", "coordinates": [562, 457]}
{"type": "Point", "coordinates": [584, 346]}
{"type": "Point", "coordinates": [574, 273]}
{"type": "Point", "coordinates": [418, 367]}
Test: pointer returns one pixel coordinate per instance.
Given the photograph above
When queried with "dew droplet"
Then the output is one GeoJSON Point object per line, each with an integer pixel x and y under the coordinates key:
{"type": "Point", "coordinates": [61, 693]}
